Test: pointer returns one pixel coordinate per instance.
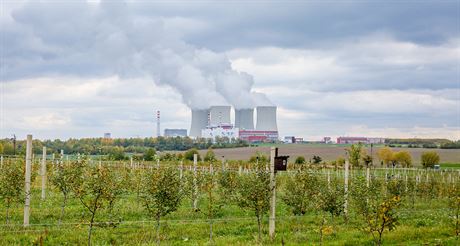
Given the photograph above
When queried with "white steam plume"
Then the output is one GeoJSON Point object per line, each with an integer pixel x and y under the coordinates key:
{"type": "Point", "coordinates": [77, 38]}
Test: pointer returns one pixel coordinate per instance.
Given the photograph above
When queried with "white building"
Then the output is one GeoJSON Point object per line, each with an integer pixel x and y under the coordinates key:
{"type": "Point", "coordinates": [222, 130]}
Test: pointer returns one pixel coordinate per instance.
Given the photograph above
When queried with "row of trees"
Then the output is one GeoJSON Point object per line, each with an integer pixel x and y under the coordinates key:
{"type": "Point", "coordinates": [163, 190]}
{"type": "Point", "coordinates": [103, 146]}
{"type": "Point", "coordinates": [359, 158]}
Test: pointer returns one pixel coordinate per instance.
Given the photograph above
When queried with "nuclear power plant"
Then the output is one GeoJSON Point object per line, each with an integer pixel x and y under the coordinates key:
{"type": "Point", "coordinates": [216, 122]}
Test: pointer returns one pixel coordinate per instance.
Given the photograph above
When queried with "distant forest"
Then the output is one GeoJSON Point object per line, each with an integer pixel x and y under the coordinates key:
{"type": "Point", "coordinates": [105, 146]}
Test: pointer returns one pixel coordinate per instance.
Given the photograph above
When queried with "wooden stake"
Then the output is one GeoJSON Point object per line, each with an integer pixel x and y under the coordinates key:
{"type": "Point", "coordinates": [27, 179]}
{"type": "Point", "coordinates": [43, 173]}
{"type": "Point", "coordinates": [345, 204]}
{"type": "Point", "coordinates": [273, 191]}
{"type": "Point", "coordinates": [195, 186]}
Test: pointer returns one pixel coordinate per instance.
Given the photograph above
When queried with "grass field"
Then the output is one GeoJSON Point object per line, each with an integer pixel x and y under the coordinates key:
{"type": "Point", "coordinates": [327, 152]}
{"type": "Point", "coordinates": [423, 220]}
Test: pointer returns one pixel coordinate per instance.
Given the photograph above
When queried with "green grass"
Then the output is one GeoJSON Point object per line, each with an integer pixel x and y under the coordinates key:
{"type": "Point", "coordinates": [428, 223]}
{"type": "Point", "coordinates": [450, 165]}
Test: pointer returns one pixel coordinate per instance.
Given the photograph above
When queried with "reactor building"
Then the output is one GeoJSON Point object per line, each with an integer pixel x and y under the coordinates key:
{"type": "Point", "coordinates": [216, 122]}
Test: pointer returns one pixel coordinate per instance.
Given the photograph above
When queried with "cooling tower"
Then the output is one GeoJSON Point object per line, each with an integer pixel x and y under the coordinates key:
{"type": "Point", "coordinates": [199, 121]}
{"type": "Point", "coordinates": [266, 118]}
{"type": "Point", "coordinates": [244, 119]}
{"type": "Point", "coordinates": [219, 115]}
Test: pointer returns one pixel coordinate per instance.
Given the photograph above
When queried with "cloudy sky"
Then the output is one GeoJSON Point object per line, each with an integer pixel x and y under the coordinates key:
{"type": "Point", "coordinates": [333, 68]}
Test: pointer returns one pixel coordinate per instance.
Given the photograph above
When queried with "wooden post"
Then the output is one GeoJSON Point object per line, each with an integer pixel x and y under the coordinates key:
{"type": "Point", "coordinates": [368, 177]}
{"type": "Point", "coordinates": [273, 191]}
{"type": "Point", "coordinates": [131, 161]}
{"type": "Point", "coordinates": [345, 204]}
{"type": "Point", "coordinates": [223, 163]}
{"type": "Point", "coordinates": [195, 186]}
{"type": "Point", "coordinates": [1, 162]}
{"type": "Point", "coordinates": [328, 179]}
{"type": "Point", "coordinates": [43, 173]}
{"type": "Point", "coordinates": [158, 163]}
{"type": "Point", "coordinates": [240, 170]}
{"type": "Point", "coordinates": [27, 179]}
{"type": "Point", "coordinates": [181, 169]}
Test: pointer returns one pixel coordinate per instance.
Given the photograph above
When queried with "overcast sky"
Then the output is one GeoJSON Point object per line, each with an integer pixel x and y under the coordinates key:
{"type": "Point", "coordinates": [334, 68]}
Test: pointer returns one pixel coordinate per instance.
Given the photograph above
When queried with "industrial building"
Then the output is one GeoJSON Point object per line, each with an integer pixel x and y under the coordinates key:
{"type": "Point", "coordinates": [175, 132]}
{"type": "Point", "coordinates": [356, 140]}
{"type": "Point", "coordinates": [216, 121]}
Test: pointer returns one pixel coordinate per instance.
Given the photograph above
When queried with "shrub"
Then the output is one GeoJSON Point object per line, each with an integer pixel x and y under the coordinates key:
{"type": "Point", "coordinates": [403, 158]}
{"type": "Point", "coordinates": [429, 159]}
{"type": "Point", "coordinates": [300, 160]}
{"type": "Point", "coordinates": [189, 154]}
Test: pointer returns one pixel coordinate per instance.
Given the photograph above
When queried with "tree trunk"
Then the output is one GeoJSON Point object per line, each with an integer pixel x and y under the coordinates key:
{"type": "Point", "coordinates": [7, 214]}
{"type": "Point", "coordinates": [210, 231]}
{"type": "Point", "coordinates": [93, 214]}
{"type": "Point", "coordinates": [158, 229]}
{"type": "Point", "coordinates": [259, 226]}
{"type": "Point", "coordinates": [62, 210]}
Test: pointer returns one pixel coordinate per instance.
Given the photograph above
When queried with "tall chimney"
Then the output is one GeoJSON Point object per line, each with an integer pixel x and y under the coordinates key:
{"type": "Point", "coordinates": [158, 123]}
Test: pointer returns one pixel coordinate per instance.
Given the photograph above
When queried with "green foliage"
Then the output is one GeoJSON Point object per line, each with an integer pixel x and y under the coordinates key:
{"type": "Point", "coordinates": [11, 185]}
{"type": "Point", "coordinates": [214, 206]}
{"type": "Point", "coordinates": [300, 160]}
{"type": "Point", "coordinates": [376, 209]}
{"type": "Point", "coordinates": [228, 185]}
{"type": "Point", "coordinates": [429, 159]}
{"type": "Point", "coordinates": [210, 156]}
{"type": "Point", "coordinates": [150, 154]}
{"type": "Point", "coordinates": [454, 205]}
{"type": "Point", "coordinates": [355, 152]}
{"type": "Point", "coordinates": [95, 191]}
{"type": "Point", "coordinates": [317, 159]}
{"type": "Point", "coordinates": [301, 191]}
{"type": "Point", "coordinates": [66, 178]}
{"type": "Point", "coordinates": [386, 155]}
{"type": "Point", "coordinates": [254, 194]}
{"type": "Point", "coordinates": [259, 157]}
{"type": "Point", "coordinates": [161, 193]}
{"type": "Point", "coordinates": [403, 158]}
{"type": "Point", "coordinates": [331, 199]}
{"type": "Point", "coordinates": [189, 154]}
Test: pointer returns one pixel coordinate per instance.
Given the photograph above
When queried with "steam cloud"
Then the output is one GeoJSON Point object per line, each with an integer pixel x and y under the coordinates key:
{"type": "Point", "coordinates": [77, 38]}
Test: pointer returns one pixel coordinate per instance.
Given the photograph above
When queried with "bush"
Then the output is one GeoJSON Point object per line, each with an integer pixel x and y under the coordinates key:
{"type": "Point", "coordinates": [429, 159]}
{"type": "Point", "coordinates": [300, 160]}
{"type": "Point", "coordinates": [149, 155]}
{"type": "Point", "coordinates": [189, 154]}
{"type": "Point", "coordinates": [403, 158]}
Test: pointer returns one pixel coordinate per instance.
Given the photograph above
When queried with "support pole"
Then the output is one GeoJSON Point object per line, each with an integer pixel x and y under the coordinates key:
{"type": "Point", "coordinates": [43, 173]}
{"type": "Point", "coordinates": [27, 179]}
{"type": "Point", "coordinates": [195, 186]}
{"type": "Point", "coordinates": [223, 163]}
{"type": "Point", "coordinates": [1, 162]}
{"type": "Point", "coordinates": [368, 177]}
{"type": "Point", "coordinates": [181, 170]}
{"type": "Point", "coordinates": [345, 204]}
{"type": "Point", "coordinates": [273, 191]}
